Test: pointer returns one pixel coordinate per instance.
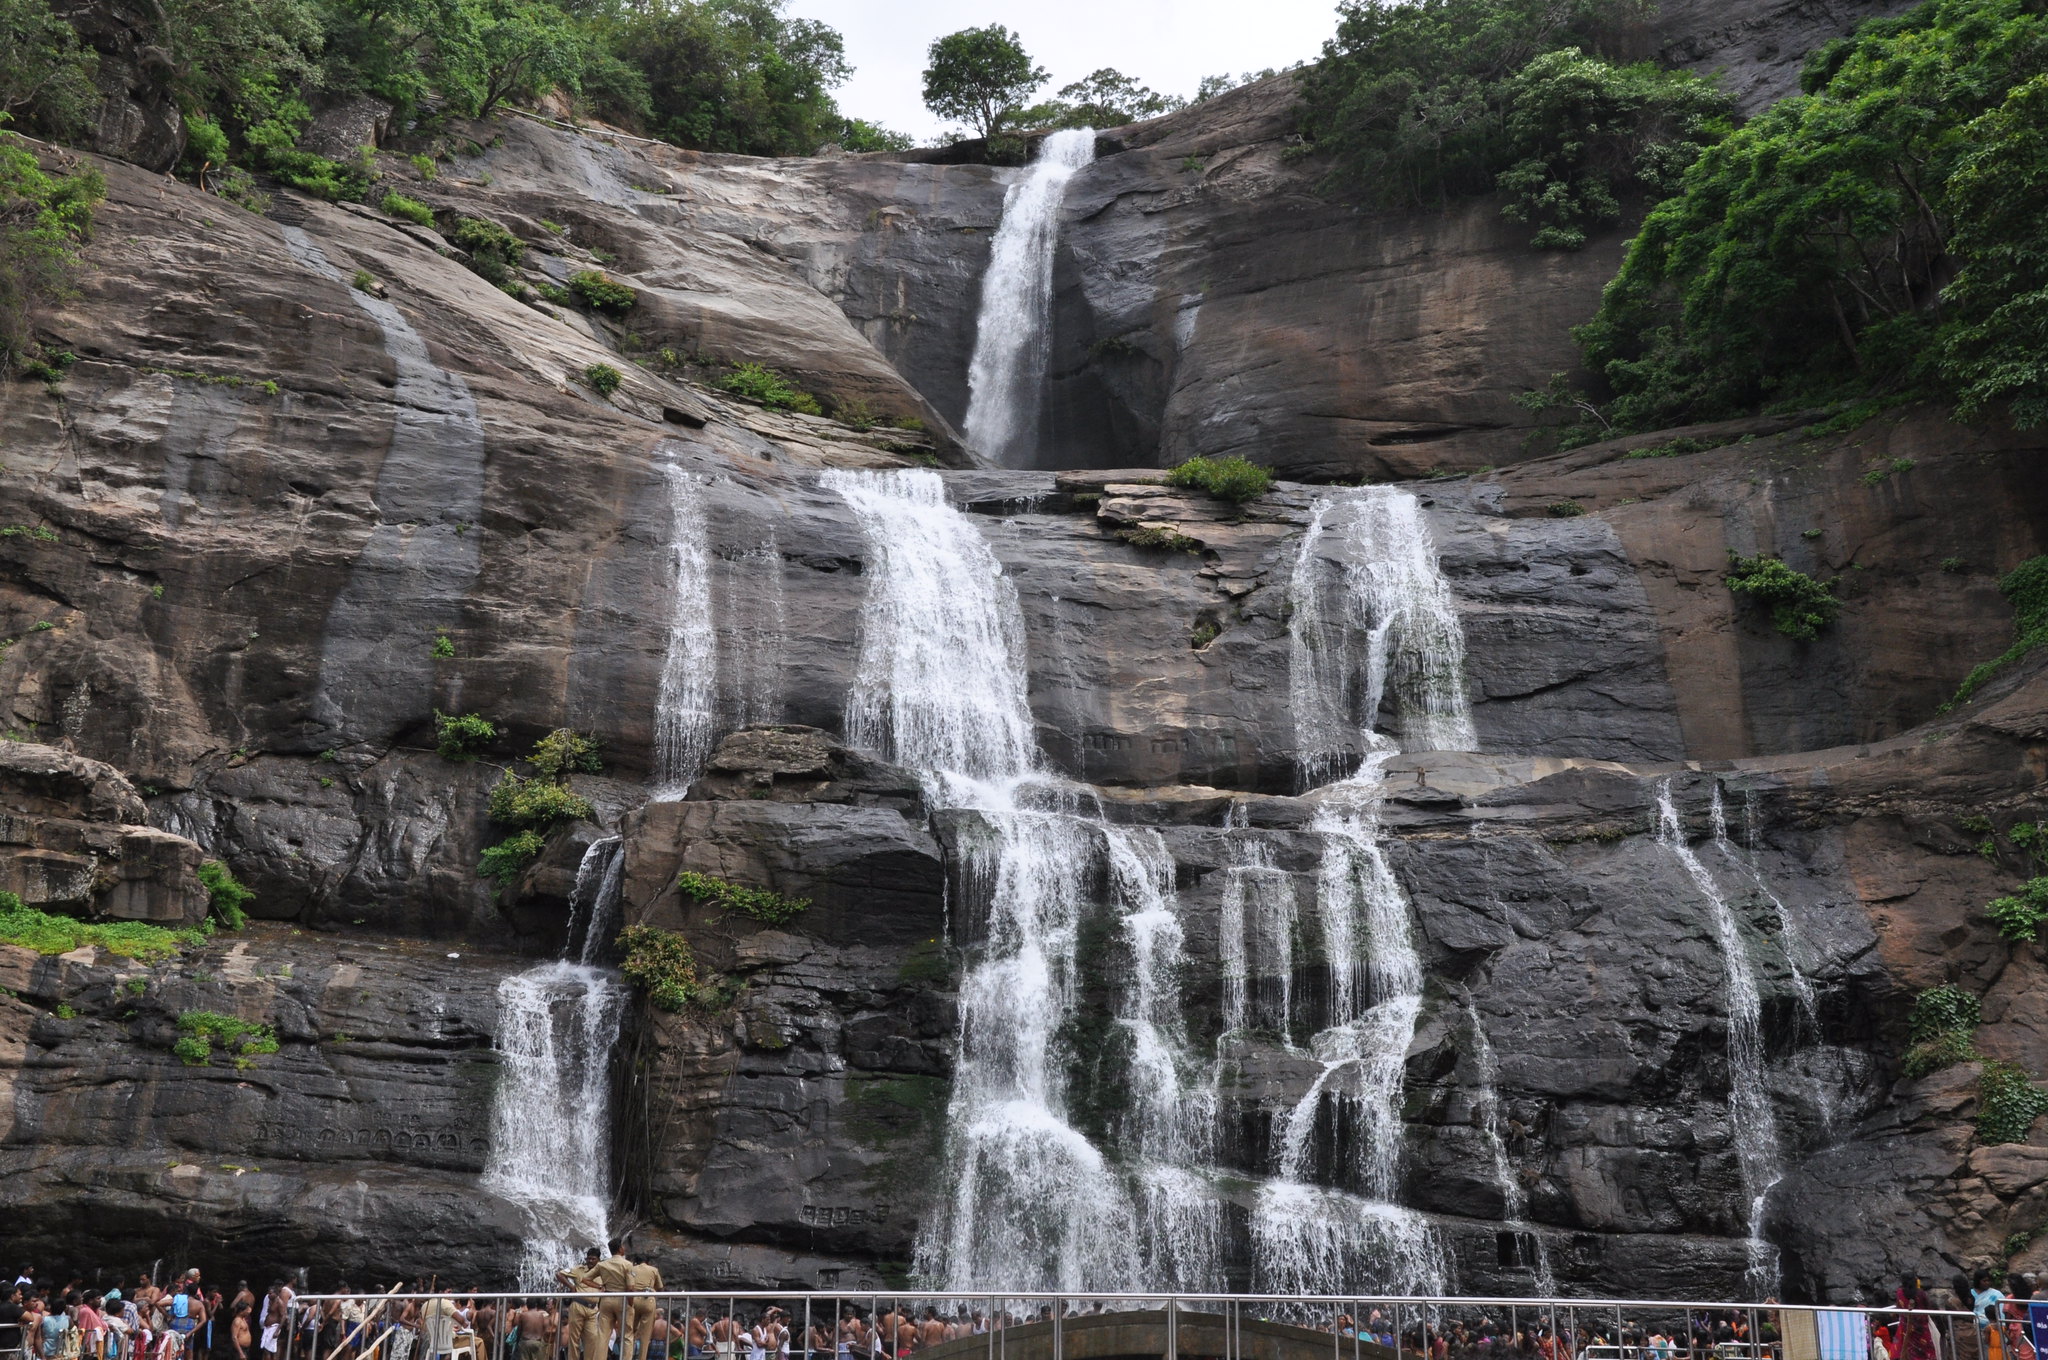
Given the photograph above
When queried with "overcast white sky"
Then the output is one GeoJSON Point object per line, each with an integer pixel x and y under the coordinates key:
{"type": "Point", "coordinates": [1167, 44]}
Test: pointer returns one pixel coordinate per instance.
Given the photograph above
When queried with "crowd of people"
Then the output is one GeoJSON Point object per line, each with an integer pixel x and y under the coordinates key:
{"type": "Point", "coordinates": [622, 1319]}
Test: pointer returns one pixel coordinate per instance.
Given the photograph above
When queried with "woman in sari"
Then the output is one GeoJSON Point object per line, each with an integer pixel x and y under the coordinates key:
{"type": "Point", "coordinates": [1915, 1331]}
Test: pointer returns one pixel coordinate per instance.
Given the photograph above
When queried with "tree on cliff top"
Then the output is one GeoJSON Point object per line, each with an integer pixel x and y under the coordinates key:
{"type": "Point", "coordinates": [981, 77]}
{"type": "Point", "coordinates": [1106, 98]}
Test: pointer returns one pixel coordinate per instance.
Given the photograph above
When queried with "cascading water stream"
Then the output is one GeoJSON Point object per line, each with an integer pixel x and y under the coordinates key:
{"type": "Point", "coordinates": [1392, 631]}
{"type": "Point", "coordinates": [1750, 1118]}
{"type": "Point", "coordinates": [1013, 335]}
{"type": "Point", "coordinates": [685, 709]}
{"type": "Point", "coordinates": [551, 1119]}
{"type": "Point", "coordinates": [1255, 934]}
{"type": "Point", "coordinates": [1030, 1203]}
{"type": "Point", "coordinates": [1514, 1200]}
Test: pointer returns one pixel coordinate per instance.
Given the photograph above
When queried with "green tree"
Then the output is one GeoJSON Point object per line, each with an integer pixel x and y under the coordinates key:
{"type": "Point", "coordinates": [43, 217]}
{"type": "Point", "coordinates": [45, 75]}
{"type": "Point", "coordinates": [734, 75]}
{"type": "Point", "coordinates": [1996, 347]}
{"type": "Point", "coordinates": [860, 135]}
{"type": "Point", "coordinates": [981, 77]}
{"type": "Point", "coordinates": [1807, 256]}
{"type": "Point", "coordinates": [521, 48]}
{"type": "Point", "coordinates": [1412, 100]}
{"type": "Point", "coordinates": [1581, 132]}
{"type": "Point", "coordinates": [1106, 98]}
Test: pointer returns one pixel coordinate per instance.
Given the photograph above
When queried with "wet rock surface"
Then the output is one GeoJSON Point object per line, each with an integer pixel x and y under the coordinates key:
{"type": "Point", "coordinates": [264, 495]}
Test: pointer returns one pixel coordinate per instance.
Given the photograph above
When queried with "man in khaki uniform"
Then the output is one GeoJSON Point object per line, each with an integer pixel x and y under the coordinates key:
{"type": "Point", "coordinates": [642, 1278]}
{"type": "Point", "coordinates": [582, 1321]}
{"type": "Point", "coordinates": [613, 1276]}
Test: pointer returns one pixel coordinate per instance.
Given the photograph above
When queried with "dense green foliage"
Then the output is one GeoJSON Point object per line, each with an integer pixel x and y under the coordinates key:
{"type": "Point", "coordinates": [1426, 100]}
{"type": "Point", "coordinates": [244, 1040]}
{"type": "Point", "coordinates": [398, 205]}
{"type": "Point", "coordinates": [2019, 915]}
{"type": "Point", "coordinates": [462, 736]}
{"type": "Point", "coordinates": [564, 752]}
{"type": "Point", "coordinates": [771, 908]}
{"type": "Point", "coordinates": [721, 75]}
{"type": "Point", "coordinates": [535, 802]}
{"type": "Point", "coordinates": [1943, 1009]}
{"type": "Point", "coordinates": [770, 388]}
{"type": "Point", "coordinates": [1104, 99]}
{"type": "Point", "coordinates": [980, 77]}
{"type": "Point", "coordinates": [1881, 233]}
{"type": "Point", "coordinates": [47, 934]}
{"type": "Point", "coordinates": [603, 378]}
{"type": "Point", "coordinates": [662, 963]}
{"type": "Point", "coordinates": [45, 73]}
{"type": "Point", "coordinates": [226, 896]}
{"type": "Point", "coordinates": [600, 293]}
{"type": "Point", "coordinates": [1800, 606]}
{"type": "Point", "coordinates": [2008, 1102]}
{"type": "Point", "coordinates": [43, 217]}
{"type": "Point", "coordinates": [1231, 479]}
{"type": "Point", "coordinates": [2027, 587]}
{"type": "Point", "coordinates": [1943, 1021]}
{"type": "Point", "coordinates": [508, 859]}
{"type": "Point", "coordinates": [494, 252]}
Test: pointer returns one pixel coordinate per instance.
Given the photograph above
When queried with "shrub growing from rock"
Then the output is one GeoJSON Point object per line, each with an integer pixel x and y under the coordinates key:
{"type": "Point", "coordinates": [601, 293]}
{"type": "Point", "coordinates": [603, 379]}
{"type": "Point", "coordinates": [1231, 479]}
{"type": "Point", "coordinates": [225, 894]}
{"type": "Point", "coordinates": [493, 251]}
{"type": "Point", "coordinates": [662, 964]}
{"type": "Point", "coordinates": [771, 389]}
{"type": "Point", "coordinates": [462, 736]}
{"type": "Point", "coordinates": [770, 908]}
{"type": "Point", "coordinates": [398, 205]}
{"type": "Point", "coordinates": [244, 1040]}
{"type": "Point", "coordinates": [2008, 1102]}
{"type": "Point", "coordinates": [1800, 606]}
{"type": "Point", "coordinates": [508, 859]}
{"type": "Point", "coordinates": [2019, 915]}
{"type": "Point", "coordinates": [2026, 585]}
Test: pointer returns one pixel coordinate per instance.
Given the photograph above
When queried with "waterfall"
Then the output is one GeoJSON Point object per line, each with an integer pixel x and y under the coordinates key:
{"type": "Point", "coordinates": [1029, 1202]}
{"type": "Point", "coordinates": [1750, 1118]}
{"type": "Point", "coordinates": [1788, 931]}
{"type": "Point", "coordinates": [1013, 335]}
{"type": "Point", "coordinates": [1514, 1201]}
{"type": "Point", "coordinates": [551, 1118]}
{"type": "Point", "coordinates": [1391, 632]}
{"type": "Point", "coordinates": [1255, 937]}
{"type": "Point", "coordinates": [1385, 629]}
{"type": "Point", "coordinates": [594, 899]}
{"type": "Point", "coordinates": [684, 715]}
{"type": "Point", "coordinates": [1169, 1122]}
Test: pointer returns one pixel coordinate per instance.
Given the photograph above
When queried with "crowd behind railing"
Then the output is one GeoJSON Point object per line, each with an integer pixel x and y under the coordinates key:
{"type": "Point", "coordinates": [616, 1308]}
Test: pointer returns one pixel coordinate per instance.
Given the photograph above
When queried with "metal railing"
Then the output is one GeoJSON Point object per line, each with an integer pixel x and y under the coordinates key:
{"type": "Point", "coordinates": [849, 1325]}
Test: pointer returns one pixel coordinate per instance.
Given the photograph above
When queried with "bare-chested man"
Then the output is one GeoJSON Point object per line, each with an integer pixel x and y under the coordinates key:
{"type": "Point", "coordinates": [931, 1332]}
{"type": "Point", "coordinates": [697, 1340]}
{"type": "Point", "coordinates": [536, 1327]}
{"type": "Point", "coordinates": [725, 1337]}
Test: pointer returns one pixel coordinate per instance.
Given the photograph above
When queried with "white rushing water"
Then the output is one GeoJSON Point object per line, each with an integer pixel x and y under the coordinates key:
{"type": "Point", "coordinates": [1255, 937]}
{"type": "Point", "coordinates": [1378, 625]}
{"type": "Point", "coordinates": [1030, 1202]}
{"type": "Point", "coordinates": [1514, 1200]}
{"type": "Point", "coordinates": [1013, 334]}
{"type": "Point", "coordinates": [1038, 1195]}
{"type": "Point", "coordinates": [551, 1119]}
{"type": "Point", "coordinates": [685, 709]}
{"type": "Point", "coordinates": [594, 899]}
{"type": "Point", "coordinates": [1372, 620]}
{"type": "Point", "coordinates": [1750, 1118]}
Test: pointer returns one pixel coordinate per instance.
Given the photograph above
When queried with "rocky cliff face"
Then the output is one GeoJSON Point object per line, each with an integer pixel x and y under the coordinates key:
{"type": "Point", "coordinates": [300, 447]}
